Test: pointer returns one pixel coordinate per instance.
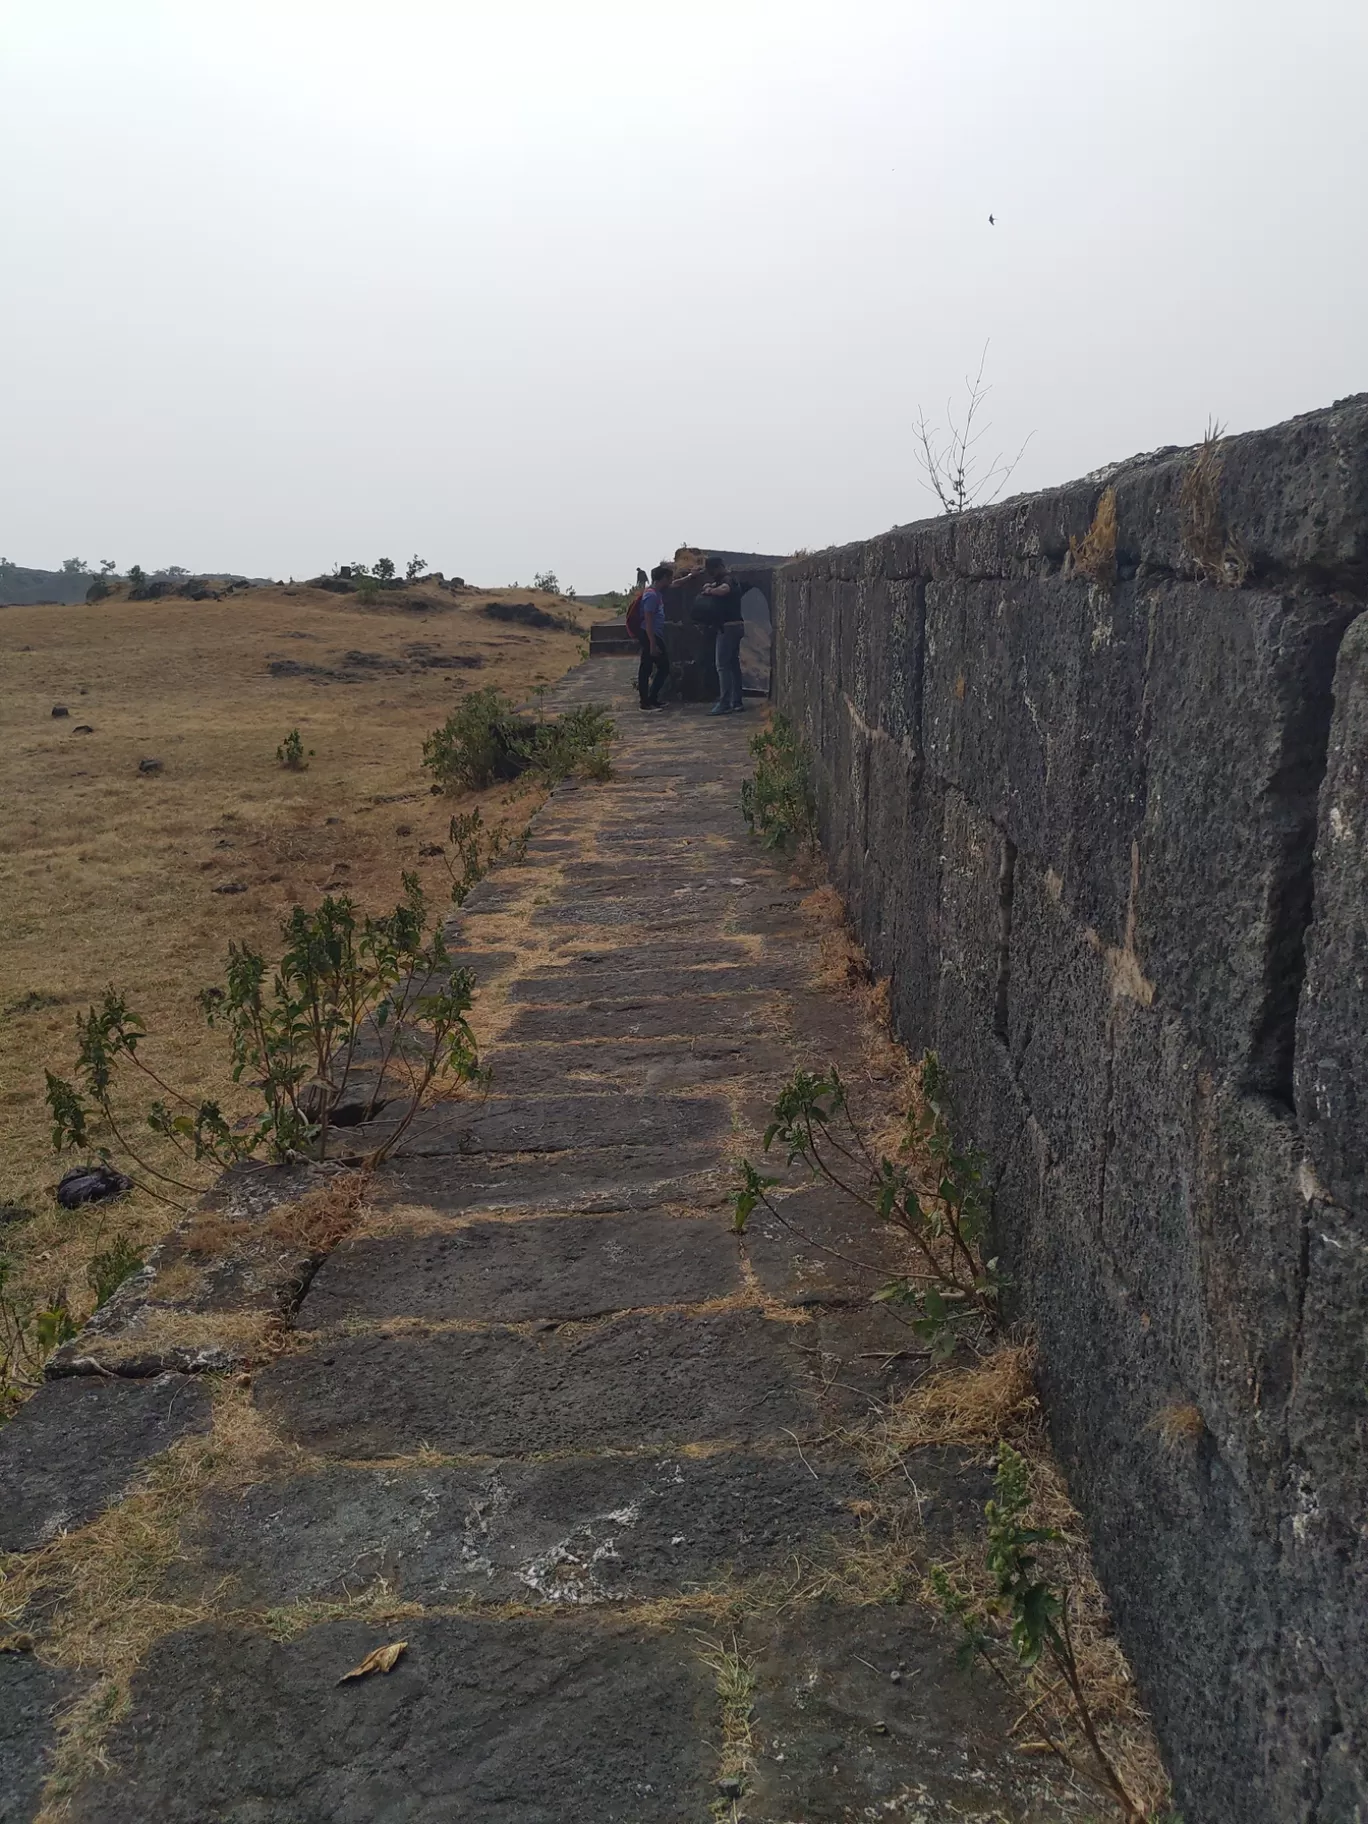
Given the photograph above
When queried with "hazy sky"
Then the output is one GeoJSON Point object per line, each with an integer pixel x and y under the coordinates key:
{"type": "Point", "coordinates": [520, 285]}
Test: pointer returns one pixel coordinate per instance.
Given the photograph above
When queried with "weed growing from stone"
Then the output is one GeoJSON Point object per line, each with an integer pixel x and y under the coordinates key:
{"type": "Point", "coordinates": [356, 1003]}
{"type": "Point", "coordinates": [109, 1269]}
{"type": "Point", "coordinates": [779, 803]}
{"type": "Point", "coordinates": [933, 1194]}
{"type": "Point", "coordinates": [484, 739]}
{"type": "Point", "coordinates": [1025, 1615]}
{"type": "Point", "coordinates": [478, 849]}
{"type": "Point", "coordinates": [30, 1329]}
{"type": "Point", "coordinates": [290, 753]}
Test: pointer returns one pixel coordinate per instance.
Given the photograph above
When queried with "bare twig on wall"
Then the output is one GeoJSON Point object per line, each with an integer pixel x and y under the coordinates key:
{"type": "Point", "coordinates": [952, 466]}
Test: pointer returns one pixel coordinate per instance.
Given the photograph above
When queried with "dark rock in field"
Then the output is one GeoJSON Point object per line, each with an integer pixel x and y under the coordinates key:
{"type": "Point", "coordinates": [71, 1450]}
{"type": "Point", "coordinates": [553, 1721]}
{"type": "Point", "coordinates": [60, 709]}
{"type": "Point", "coordinates": [335, 585]}
{"type": "Point", "coordinates": [91, 1184]}
{"type": "Point", "coordinates": [603, 1529]}
{"type": "Point", "coordinates": [150, 766]}
{"type": "Point", "coordinates": [358, 1101]}
{"type": "Point", "coordinates": [429, 849]}
{"type": "Point", "coordinates": [527, 614]}
{"type": "Point", "coordinates": [230, 886]}
{"type": "Point", "coordinates": [295, 668]}
{"type": "Point", "coordinates": [421, 655]}
{"type": "Point", "coordinates": [637, 1381]}
{"type": "Point", "coordinates": [83, 728]}
{"type": "Point", "coordinates": [560, 1267]}
{"type": "Point", "coordinates": [30, 1695]}
{"type": "Point", "coordinates": [14, 1212]}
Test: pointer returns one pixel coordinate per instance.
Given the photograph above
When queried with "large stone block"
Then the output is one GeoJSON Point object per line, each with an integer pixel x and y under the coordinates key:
{"type": "Point", "coordinates": [999, 696]}
{"type": "Point", "coordinates": [1058, 996]}
{"type": "Point", "coordinates": [505, 1721]}
{"type": "Point", "coordinates": [73, 1449]}
{"type": "Point", "coordinates": [1239, 712]}
{"type": "Point", "coordinates": [976, 868]}
{"type": "Point", "coordinates": [1332, 1023]}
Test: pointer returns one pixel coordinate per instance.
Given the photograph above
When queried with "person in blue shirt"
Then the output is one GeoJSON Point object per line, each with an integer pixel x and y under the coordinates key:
{"type": "Point", "coordinates": [654, 668]}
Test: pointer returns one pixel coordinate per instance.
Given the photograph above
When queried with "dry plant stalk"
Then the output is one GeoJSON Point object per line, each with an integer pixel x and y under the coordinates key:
{"type": "Point", "coordinates": [1214, 552]}
{"type": "Point", "coordinates": [1094, 555]}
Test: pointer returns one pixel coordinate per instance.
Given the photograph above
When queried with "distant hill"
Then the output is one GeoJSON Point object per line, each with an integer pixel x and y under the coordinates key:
{"type": "Point", "coordinates": [19, 587]}
{"type": "Point", "coordinates": [22, 588]}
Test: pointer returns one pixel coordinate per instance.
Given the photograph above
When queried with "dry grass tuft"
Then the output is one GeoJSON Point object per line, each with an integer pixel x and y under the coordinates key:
{"type": "Point", "coordinates": [1094, 555]}
{"type": "Point", "coordinates": [969, 1407]}
{"type": "Point", "coordinates": [1214, 552]}
{"type": "Point", "coordinates": [319, 1220]}
{"type": "Point", "coordinates": [377, 1602]}
{"type": "Point", "coordinates": [1178, 1424]}
{"type": "Point", "coordinates": [735, 1680]}
{"type": "Point", "coordinates": [225, 1336]}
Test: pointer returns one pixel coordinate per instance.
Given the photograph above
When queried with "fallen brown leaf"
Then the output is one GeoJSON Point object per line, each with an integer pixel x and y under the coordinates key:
{"type": "Point", "coordinates": [384, 1659]}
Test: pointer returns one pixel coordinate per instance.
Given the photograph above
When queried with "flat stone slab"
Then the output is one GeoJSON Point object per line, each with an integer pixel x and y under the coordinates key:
{"type": "Point", "coordinates": [603, 1529]}
{"type": "Point", "coordinates": [561, 1267]}
{"type": "Point", "coordinates": [821, 1247]}
{"type": "Point", "coordinates": [647, 1017]}
{"type": "Point", "coordinates": [555, 1124]}
{"type": "Point", "coordinates": [30, 1695]}
{"type": "Point", "coordinates": [634, 1064]}
{"type": "Point", "coordinates": [577, 954]}
{"type": "Point", "coordinates": [635, 1382]}
{"type": "Point", "coordinates": [505, 1722]}
{"type": "Point", "coordinates": [578, 983]}
{"type": "Point", "coordinates": [837, 1737]}
{"type": "Point", "coordinates": [602, 1179]}
{"type": "Point", "coordinates": [72, 1450]}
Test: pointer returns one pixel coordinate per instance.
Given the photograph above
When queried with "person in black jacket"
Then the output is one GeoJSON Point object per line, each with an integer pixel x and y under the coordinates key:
{"type": "Point", "coordinates": [719, 601]}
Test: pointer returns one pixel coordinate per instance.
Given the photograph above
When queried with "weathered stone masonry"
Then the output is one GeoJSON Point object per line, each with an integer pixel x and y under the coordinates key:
{"type": "Point", "coordinates": [1108, 835]}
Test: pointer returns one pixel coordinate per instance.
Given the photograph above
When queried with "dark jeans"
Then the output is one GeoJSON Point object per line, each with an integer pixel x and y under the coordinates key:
{"type": "Point", "coordinates": [728, 661]}
{"type": "Point", "coordinates": [648, 687]}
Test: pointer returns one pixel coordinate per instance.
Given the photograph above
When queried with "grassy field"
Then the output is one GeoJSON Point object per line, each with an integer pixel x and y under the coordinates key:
{"type": "Point", "coordinates": [108, 874]}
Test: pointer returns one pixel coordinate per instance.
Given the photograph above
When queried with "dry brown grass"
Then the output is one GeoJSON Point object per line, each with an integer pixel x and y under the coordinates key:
{"type": "Point", "coordinates": [106, 875]}
{"type": "Point", "coordinates": [1094, 555]}
{"type": "Point", "coordinates": [1178, 1424]}
{"type": "Point", "coordinates": [1215, 553]}
{"type": "Point", "coordinates": [980, 1404]}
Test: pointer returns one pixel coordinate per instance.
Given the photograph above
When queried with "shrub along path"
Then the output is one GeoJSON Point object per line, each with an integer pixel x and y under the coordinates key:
{"type": "Point", "coordinates": [539, 1415]}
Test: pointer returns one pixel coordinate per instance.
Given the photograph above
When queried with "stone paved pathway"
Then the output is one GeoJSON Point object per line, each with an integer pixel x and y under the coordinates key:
{"type": "Point", "coordinates": [542, 1417]}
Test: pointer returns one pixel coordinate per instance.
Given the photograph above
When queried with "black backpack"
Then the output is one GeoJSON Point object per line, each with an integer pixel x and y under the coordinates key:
{"type": "Point", "coordinates": [710, 611]}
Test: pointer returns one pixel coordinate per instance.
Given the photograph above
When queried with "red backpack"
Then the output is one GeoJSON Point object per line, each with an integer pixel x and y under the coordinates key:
{"type": "Point", "coordinates": [635, 623]}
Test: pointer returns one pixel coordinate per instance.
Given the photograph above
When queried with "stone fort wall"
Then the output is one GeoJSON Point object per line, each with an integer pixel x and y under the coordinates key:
{"type": "Point", "coordinates": [1092, 771]}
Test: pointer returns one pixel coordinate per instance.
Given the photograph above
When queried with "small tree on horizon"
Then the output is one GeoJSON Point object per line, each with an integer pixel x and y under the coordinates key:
{"type": "Point", "coordinates": [415, 568]}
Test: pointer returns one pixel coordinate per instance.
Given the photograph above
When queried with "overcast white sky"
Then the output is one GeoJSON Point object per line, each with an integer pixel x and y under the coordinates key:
{"type": "Point", "coordinates": [527, 285]}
